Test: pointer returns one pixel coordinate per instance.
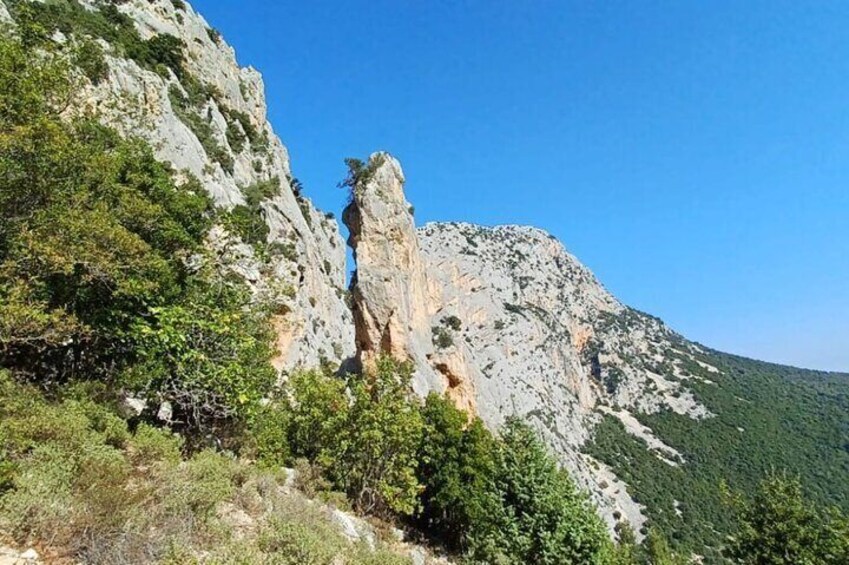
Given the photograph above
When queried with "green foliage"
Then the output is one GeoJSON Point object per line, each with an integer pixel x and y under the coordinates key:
{"type": "Point", "coordinates": [93, 228]}
{"type": "Point", "coordinates": [242, 128]}
{"type": "Point", "coordinates": [364, 431]}
{"type": "Point", "coordinates": [247, 221]}
{"type": "Point", "coordinates": [235, 138]}
{"type": "Point", "coordinates": [456, 468]}
{"type": "Point", "coordinates": [540, 516]}
{"type": "Point", "coordinates": [442, 338]}
{"type": "Point", "coordinates": [453, 322]}
{"type": "Point", "coordinates": [39, 21]}
{"type": "Point", "coordinates": [85, 486]}
{"type": "Point", "coordinates": [94, 281]}
{"type": "Point", "coordinates": [657, 551]}
{"type": "Point", "coordinates": [268, 434]}
{"type": "Point", "coordinates": [89, 58]}
{"type": "Point", "coordinates": [208, 353]}
{"type": "Point", "coordinates": [378, 463]}
{"type": "Point", "coordinates": [213, 34]}
{"type": "Point", "coordinates": [778, 526]}
{"type": "Point", "coordinates": [767, 416]}
{"type": "Point", "coordinates": [360, 173]}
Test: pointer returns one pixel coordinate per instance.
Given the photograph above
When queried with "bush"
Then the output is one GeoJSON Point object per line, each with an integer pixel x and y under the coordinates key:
{"type": "Point", "coordinates": [39, 21]}
{"type": "Point", "coordinates": [89, 58]}
{"type": "Point", "coordinates": [377, 466]}
{"type": "Point", "coordinates": [102, 289]}
{"type": "Point", "coordinates": [456, 467]}
{"type": "Point", "coordinates": [779, 526]}
{"type": "Point", "coordinates": [319, 417]}
{"type": "Point", "coordinates": [208, 354]}
{"type": "Point", "coordinates": [539, 516]}
{"type": "Point", "coordinates": [453, 322]}
{"type": "Point", "coordinates": [268, 434]}
{"type": "Point", "coordinates": [442, 338]}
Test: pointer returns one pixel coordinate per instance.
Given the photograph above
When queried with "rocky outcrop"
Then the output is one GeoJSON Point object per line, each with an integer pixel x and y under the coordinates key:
{"type": "Point", "coordinates": [389, 288]}
{"type": "Point", "coordinates": [302, 266]}
{"type": "Point", "coordinates": [545, 341]}
{"type": "Point", "coordinates": [394, 299]}
{"type": "Point", "coordinates": [509, 323]}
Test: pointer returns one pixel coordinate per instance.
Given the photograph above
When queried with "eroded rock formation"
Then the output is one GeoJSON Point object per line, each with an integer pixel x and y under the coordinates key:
{"type": "Point", "coordinates": [507, 322]}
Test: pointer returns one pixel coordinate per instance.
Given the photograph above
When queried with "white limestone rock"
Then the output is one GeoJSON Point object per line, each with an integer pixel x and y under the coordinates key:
{"type": "Point", "coordinates": [308, 253]}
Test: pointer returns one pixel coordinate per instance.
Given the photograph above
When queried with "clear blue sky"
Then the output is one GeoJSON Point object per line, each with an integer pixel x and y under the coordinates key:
{"type": "Point", "coordinates": [695, 155]}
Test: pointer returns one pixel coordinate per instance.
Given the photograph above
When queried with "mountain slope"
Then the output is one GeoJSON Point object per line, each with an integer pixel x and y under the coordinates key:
{"type": "Point", "coordinates": [206, 116]}
{"type": "Point", "coordinates": [646, 420]}
{"type": "Point", "coordinates": [503, 320]}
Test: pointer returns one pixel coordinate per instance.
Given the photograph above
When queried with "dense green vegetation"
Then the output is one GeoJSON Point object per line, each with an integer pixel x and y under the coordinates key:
{"type": "Point", "coordinates": [94, 278]}
{"type": "Point", "coordinates": [768, 417]}
{"type": "Point", "coordinates": [495, 499]}
{"type": "Point", "coordinates": [778, 525]}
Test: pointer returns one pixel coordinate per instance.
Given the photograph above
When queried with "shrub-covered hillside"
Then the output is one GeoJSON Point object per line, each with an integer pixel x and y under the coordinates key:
{"type": "Point", "coordinates": [768, 418]}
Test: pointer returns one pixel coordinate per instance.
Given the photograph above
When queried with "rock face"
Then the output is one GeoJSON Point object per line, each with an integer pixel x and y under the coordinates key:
{"type": "Point", "coordinates": [553, 346]}
{"type": "Point", "coordinates": [394, 300]}
{"type": "Point", "coordinates": [389, 288]}
{"type": "Point", "coordinates": [303, 269]}
{"type": "Point", "coordinates": [507, 322]}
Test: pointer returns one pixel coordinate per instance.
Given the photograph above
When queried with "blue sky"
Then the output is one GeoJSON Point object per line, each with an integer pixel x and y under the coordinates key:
{"type": "Point", "coordinates": [695, 155]}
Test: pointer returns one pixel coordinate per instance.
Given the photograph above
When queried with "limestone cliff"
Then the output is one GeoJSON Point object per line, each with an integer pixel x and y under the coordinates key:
{"type": "Point", "coordinates": [509, 323]}
{"type": "Point", "coordinates": [211, 123]}
{"type": "Point", "coordinates": [394, 298]}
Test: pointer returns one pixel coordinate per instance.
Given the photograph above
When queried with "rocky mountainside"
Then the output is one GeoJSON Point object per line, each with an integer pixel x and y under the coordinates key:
{"type": "Point", "coordinates": [503, 320]}
{"type": "Point", "coordinates": [507, 322]}
{"type": "Point", "coordinates": [211, 123]}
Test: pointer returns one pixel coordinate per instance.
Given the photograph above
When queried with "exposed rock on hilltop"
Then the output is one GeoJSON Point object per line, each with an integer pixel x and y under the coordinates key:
{"type": "Point", "coordinates": [389, 288]}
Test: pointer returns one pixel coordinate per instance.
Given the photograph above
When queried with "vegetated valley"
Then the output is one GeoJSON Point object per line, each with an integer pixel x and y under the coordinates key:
{"type": "Point", "coordinates": [186, 377]}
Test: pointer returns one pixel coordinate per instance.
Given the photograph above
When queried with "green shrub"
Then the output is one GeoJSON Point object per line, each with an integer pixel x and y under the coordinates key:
{"type": "Point", "coordinates": [453, 322]}
{"type": "Point", "coordinates": [456, 466]}
{"type": "Point", "coordinates": [248, 224]}
{"type": "Point", "coordinates": [269, 435]}
{"type": "Point", "coordinates": [236, 138]}
{"type": "Point", "coordinates": [538, 515]}
{"type": "Point", "coordinates": [319, 417]}
{"type": "Point", "coordinates": [442, 338]}
{"type": "Point", "coordinates": [150, 444]}
{"type": "Point", "coordinates": [377, 467]}
{"type": "Point", "coordinates": [208, 354]}
{"type": "Point", "coordinates": [779, 526]}
{"type": "Point", "coordinates": [39, 21]}
{"type": "Point", "coordinates": [89, 58]}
